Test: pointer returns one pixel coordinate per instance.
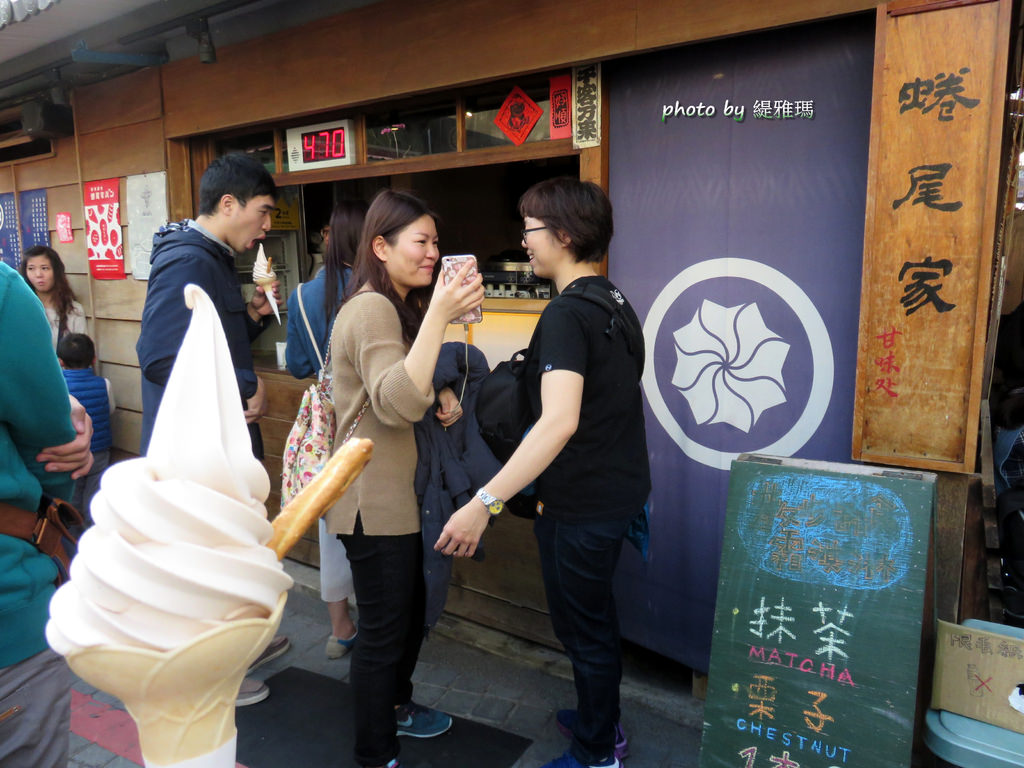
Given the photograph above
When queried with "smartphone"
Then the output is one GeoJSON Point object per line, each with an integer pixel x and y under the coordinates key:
{"type": "Point", "coordinates": [450, 266]}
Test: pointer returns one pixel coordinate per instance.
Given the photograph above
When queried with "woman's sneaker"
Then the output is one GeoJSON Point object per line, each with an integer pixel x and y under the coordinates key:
{"type": "Point", "coordinates": [566, 719]}
{"type": "Point", "coordinates": [421, 722]}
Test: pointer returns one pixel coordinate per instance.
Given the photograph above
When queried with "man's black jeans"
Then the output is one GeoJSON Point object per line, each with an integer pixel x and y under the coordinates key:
{"type": "Point", "coordinates": [578, 562]}
{"type": "Point", "coordinates": [387, 573]}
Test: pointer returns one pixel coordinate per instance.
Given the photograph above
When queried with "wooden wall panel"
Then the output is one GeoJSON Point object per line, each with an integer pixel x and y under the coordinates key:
{"type": "Point", "coordinates": [506, 38]}
{"type": "Point", "coordinates": [7, 179]}
{"type": "Point", "coordinates": [73, 254]}
{"type": "Point", "coordinates": [51, 171]}
{"type": "Point", "coordinates": [126, 382]}
{"type": "Point", "coordinates": [65, 199]}
{"type": "Point", "coordinates": [132, 98]}
{"type": "Point", "coordinates": [179, 181]}
{"type": "Point", "coordinates": [123, 151]}
{"type": "Point", "coordinates": [119, 299]}
{"type": "Point", "coordinates": [126, 427]}
{"type": "Point", "coordinates": [116, 339]}
{"type": "Point", "coordinates": [659, 23]}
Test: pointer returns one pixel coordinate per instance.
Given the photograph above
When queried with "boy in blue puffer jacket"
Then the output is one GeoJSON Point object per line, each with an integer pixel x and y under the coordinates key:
{"type": "Point", "coordinates": [77, 355]}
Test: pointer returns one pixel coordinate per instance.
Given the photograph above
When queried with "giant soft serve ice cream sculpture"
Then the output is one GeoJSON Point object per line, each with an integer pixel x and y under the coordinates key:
{"type": "Point", "coordinates": [174, 590]}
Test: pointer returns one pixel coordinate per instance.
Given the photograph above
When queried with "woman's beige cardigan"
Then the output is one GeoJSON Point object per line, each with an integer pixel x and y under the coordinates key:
{"type": "Point", "coordinates": [367, 358]}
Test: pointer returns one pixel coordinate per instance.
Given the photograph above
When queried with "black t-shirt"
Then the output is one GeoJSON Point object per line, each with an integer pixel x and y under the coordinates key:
{"type": "Point", "coordinates": [603, 471]}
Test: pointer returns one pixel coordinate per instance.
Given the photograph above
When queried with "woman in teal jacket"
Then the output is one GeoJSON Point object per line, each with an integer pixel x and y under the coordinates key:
{"type": "Point", "coordinates": [35, 412]}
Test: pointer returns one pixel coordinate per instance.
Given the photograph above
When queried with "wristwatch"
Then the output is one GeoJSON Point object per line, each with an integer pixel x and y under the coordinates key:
{"type": "Point", "coordinates": [493, 503]}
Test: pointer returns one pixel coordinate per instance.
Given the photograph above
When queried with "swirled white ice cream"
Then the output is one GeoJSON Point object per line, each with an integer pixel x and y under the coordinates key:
{"type": "Point", "coordinates": [178, 542]}
{"type": "Point", "coordinates": [263, 274]}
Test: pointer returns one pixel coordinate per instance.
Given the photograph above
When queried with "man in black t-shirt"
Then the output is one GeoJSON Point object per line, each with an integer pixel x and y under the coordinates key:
{"type": "Point", "coordinates": [587, 452]}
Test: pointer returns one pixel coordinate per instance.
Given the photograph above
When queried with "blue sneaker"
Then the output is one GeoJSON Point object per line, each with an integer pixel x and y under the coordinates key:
{"type": "Point", "coordinates": [566, 719]}
{"type": "Point", "coordinates": [568, 761]}
{"type": "Point", "coordinates": [421, 722]}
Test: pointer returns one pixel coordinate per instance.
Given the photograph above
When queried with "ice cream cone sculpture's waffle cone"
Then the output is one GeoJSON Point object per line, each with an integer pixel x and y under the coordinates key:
{"type": "Point", "coordinates": [182, 700]}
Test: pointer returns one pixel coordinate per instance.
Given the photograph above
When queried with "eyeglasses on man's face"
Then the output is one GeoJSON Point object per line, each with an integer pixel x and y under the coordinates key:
{"type": "Point", "coordinates": [525, 232]}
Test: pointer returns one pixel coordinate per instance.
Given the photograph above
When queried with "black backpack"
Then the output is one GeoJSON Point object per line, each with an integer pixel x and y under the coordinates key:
{"type": "Point", "coordinates": [503, 406]}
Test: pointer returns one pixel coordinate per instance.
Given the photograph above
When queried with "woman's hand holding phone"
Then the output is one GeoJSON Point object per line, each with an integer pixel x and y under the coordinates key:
{"type": "Point", "coordinates": [460, 272]}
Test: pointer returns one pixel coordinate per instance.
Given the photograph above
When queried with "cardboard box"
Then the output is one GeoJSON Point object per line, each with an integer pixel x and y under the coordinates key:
{"type": "Point", "coordinates": [978, 666]}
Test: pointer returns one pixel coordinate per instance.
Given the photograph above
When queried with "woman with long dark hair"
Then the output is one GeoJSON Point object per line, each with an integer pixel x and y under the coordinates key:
{"type": "Point", "coordinates": [384, 348]}
{"type": "Point", "coordinates": [307, 346]}
{"type": "Point", "coordinates": [44, 272]}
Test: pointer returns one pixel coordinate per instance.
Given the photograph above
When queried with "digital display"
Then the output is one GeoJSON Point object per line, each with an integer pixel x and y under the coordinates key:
{"type": "Point", "coordinates": [323, 145]}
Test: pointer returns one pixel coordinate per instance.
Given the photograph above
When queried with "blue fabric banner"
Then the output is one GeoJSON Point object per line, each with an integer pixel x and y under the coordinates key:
{"type": "Point", "coordinates": [737, 173]}
{"type": "Point", "coordinates": [35, 228]}
{"type": "Point", "coordinates": [10, 243]}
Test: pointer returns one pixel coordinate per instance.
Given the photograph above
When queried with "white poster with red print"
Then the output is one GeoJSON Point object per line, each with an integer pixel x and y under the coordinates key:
{"type": "Point", "coordinates": [103, 229]}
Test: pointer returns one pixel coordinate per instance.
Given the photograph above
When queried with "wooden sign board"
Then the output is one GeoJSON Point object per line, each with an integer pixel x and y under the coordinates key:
{"type": "Point", "coordinates": [936, 126]}
{"type": "Point", "coordinates": [814, 655]}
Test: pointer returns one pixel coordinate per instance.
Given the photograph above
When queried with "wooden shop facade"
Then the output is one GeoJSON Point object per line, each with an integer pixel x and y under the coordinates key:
{"type": "Point", "coordinates": [811, 168]}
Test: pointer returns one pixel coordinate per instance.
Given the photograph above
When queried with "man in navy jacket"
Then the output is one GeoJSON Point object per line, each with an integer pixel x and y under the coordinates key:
{"type": "Point", "coordinates": [236, 198]}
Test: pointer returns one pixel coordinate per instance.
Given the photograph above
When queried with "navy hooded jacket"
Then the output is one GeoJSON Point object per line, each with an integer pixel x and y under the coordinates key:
{"type": "Point", "coordinates": [452, 463]}
{"type": "Point", "coordinates": [183, 255]}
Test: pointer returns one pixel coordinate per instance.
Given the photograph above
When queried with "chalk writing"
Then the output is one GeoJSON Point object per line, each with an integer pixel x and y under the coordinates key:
{"type": "Point", "coordinates": [945, 91]}
{"type": "Point", "coordinates": [791, 739]}
{"type": "Point", "coordinates": [926, 181]}
{"type": "Point", "coordinates": [762, 696]}
{"type": "Point", "coordinates": [822, 533]}
{"type": "Point", "coordinates": [827, 631]}
{"type": "Point", "coordinates": [920, 291]}
{"type": "Point", "coordinates": [790, 660]}
{"type": "Point", "coordinates": [814, 717]}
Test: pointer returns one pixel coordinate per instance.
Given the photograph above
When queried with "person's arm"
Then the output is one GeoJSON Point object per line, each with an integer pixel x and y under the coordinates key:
{"type": "Point", "coordinates": [33, 376]}
{"type": "Point", "coordinates": [297, 356]}
{"type": "Point", "coordinates": [75, 456]}
{"type": "Point", "coordinates": [256, 406]}
{"type": "Point", "coordinates": [110, 397]}
{"type": "Point", "coordinates": [369, 335]}
{"type": "Point", "coordinates": [561, 396]}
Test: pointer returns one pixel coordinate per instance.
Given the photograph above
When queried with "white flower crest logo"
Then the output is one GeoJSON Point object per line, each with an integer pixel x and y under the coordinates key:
{"type": "Point", "coordinates": [729, 365]}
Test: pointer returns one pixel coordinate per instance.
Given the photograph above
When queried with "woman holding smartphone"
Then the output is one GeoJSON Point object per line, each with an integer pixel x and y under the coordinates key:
{"type": "Point", "coordinates": [587, 452]}
{"type": "Point", "coordinates": [386, 340]}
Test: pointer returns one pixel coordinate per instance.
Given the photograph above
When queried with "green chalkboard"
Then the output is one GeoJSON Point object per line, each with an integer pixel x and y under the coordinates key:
{"type": "Point", "coordinates": [818, 619]}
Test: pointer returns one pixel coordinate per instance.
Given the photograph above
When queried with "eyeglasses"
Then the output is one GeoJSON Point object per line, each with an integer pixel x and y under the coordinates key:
{"type": "Point", "coordinates": [531, 229]}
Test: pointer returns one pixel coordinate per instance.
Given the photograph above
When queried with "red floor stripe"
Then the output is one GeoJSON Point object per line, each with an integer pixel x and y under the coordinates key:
{"type": "Point", "coordinates": [109, 727]}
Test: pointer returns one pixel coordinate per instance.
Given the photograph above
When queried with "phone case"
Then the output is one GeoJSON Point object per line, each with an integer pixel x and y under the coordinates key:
{"type": "Point", "coordinates": [450, 266]}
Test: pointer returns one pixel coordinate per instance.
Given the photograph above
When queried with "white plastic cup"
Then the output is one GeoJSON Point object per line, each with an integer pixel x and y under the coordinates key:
{"type": "Point", "coordinates": [282, 359]}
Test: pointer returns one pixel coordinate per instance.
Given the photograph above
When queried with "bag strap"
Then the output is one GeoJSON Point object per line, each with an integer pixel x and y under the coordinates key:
{"type": "Point", "coordinates": [46, 530]}
{"type": "Point", "coordinates": [614, 304]}
{"type": "Point", "coordinates": [359, 417]}
{"type": "Point", "coordinates": [309, 330]}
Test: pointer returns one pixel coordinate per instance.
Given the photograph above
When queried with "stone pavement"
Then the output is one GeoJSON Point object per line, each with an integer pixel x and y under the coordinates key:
{"type": "Point", "coordinates": [464, 669]}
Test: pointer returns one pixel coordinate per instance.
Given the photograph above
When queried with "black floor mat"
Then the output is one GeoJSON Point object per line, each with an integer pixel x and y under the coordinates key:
{"type": "Point", "coordinates": [307, 723]}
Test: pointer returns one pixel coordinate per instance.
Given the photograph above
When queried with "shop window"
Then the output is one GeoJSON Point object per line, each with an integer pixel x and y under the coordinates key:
{"type": "Point", "coordinates": [481, 130]}
{"type": "Point", "coordinates": [260, 145]}
{"type": "Point", "coordinates": [411, 132]}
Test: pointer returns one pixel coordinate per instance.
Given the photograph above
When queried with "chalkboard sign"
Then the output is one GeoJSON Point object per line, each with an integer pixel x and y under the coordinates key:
{"type": "Point", "coordinates": [818, 619]}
